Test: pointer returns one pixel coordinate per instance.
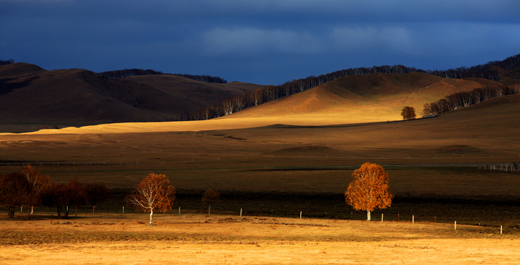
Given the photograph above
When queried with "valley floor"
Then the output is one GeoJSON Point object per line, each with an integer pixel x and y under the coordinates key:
{"type": "Point", "coordinates": [198, 239]}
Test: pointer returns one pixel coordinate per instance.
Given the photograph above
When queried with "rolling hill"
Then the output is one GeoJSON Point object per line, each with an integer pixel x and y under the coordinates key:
{"type": "Point", "coordinates": [362, 98]}
{"type": "Point", "coordinates": [32, 98]}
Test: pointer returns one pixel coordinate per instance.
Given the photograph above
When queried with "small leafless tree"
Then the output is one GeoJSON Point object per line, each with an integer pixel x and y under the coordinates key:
{"type": "Point", "coordinates": [37, 182]}
{"type": "Point", "coordinates": [153, 194]}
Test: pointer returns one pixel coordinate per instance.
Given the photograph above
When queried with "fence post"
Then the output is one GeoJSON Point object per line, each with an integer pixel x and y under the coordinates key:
{"type": "Point", "coordinates": [179, 210]}
{"type": "Point", "coordinates": [500, 229]}
{"type": "Point", "coordinates": [381, 218]}
{"type": "Point", "coordinates": [455, 225]}
{"type": "Point", "coordinates": [240, 212]}
{"type": "Point", "coordinates": [300, 214]}
{"type": "Point", "coordinates": [413, 219]}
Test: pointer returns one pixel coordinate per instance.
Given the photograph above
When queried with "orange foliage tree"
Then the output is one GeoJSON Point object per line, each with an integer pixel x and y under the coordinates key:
{"type": "Point", "coordinates": [369, 189]}
{"type": "Point", "coordinates": [153, 194]}
{"type": "Point", "coordinates": [210, 197]}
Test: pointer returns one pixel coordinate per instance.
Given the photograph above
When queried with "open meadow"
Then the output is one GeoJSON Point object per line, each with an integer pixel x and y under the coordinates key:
{"type": "Point", "coordinates": [231, 239]}
{"type": "Point", "coordinates": [269, 169]}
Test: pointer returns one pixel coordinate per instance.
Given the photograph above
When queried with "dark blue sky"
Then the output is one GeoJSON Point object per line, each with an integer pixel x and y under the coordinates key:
{"type": "Point", "coordinates": [264, 42]}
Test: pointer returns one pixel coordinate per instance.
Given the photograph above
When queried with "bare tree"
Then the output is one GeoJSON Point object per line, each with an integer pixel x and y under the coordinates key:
{"type": "Point", "coordinates": [228, 107]}
{"type": "Point", "coordinates": [37, 183]}
{"type": "Point", "coordinates": [153, 193]}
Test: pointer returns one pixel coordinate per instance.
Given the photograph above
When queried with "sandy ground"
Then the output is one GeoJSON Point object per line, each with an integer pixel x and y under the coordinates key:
{"type": "Point", "coordinates": [257, 240]}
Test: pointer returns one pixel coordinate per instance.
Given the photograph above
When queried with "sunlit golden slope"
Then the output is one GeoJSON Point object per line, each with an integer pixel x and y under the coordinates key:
{"type": "Point", "coordinates": [361, 98]}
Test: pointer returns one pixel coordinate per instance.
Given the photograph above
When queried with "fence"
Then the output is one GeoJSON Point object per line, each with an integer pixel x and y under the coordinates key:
{"type": "Point", "coordinates": [509, 167]}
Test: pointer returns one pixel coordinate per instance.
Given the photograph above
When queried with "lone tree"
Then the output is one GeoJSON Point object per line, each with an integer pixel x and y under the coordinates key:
{"type": "Point", "coordinates": [408, 113]}
{"type": "Point", "coordinates": [96, 193]}
{"type": "Point", "coordinates": [153, 194]}
{"type": "Point", "coordinates": [38, 184]}
{"type": "Point", "coordinates": [14, 191]}
{"type": "Point", "coordinates": [210, 197]}
{"type": "Point", "coordinates": [369, 189]}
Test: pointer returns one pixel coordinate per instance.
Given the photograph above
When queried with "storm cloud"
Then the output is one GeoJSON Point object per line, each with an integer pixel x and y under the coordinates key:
{"type": "Point", "coordinates": [265, 42]}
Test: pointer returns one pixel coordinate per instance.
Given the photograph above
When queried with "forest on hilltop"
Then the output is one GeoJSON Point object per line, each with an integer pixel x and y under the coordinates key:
{"type": "Point", "coordinates": [10, 61]}
{"type": "Point", "coordinates": [464, 99]}
{"type": "Point", "coordinates": [135, 72]}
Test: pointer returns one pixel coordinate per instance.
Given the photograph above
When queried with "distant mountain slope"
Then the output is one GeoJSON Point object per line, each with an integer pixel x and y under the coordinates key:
{"type": "Point", "coordinates": [18, 69]}
{"type": "Point", "coordinates": [365, 98]}
{"type": "Point", "coordinates": [32, 98]}
{"type": "Point", "coordinates": [196, 94]}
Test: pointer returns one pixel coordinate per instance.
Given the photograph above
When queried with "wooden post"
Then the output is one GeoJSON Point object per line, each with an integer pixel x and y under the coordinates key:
{"type": "Point", "coordinates": [500, 229]}
{"type": "Point", "coordinates": [413, 219]}
{"type": "Point", "coordinates": [455, 225]}
{"type": "Point", "coordinates": [240, 212]}
{"type": "Point", "coordinates": [123, 209]}
{"type": "Point", "coordinates": [300, 214]}
{"type": "Point", "coordinates": [381, 218]}
{"type": "Point", "coordinates": [179, 210]}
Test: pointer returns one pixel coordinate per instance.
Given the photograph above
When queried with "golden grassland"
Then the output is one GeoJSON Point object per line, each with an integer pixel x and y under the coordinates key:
{"type": "Point", "coordinates": [432, 166]}
{"type": "Point", "coordinates": [225, 239]}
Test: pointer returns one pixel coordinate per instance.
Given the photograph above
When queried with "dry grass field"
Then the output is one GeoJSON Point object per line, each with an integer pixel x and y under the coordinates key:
{"type": "Point", "coordinates": [225, 239]}
{"type": "Point", "coordinates": [285, 165]}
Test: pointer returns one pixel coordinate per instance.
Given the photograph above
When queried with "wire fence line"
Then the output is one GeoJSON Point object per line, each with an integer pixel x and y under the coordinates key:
{"type": "Point", "coordinates": [509, 167]}
{"type": "Point", "coordinates": [85, 212]}
{"type": "Point", "coordinates": [504, 166]}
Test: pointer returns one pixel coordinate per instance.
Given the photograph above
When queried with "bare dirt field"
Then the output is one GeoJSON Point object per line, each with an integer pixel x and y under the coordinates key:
{"type": "Point", "coordinates": [224, 239]}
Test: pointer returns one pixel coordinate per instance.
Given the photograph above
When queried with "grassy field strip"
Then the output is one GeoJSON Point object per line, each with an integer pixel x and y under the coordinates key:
{"type": "Point", "coordinates": [195, 239]}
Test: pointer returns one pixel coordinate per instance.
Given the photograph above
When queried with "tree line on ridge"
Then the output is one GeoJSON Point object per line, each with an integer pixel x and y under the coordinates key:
{"type": "Point", "coordinates": [136, 72]}
{"type": "Point", "coordinates": [464, 99]}
{"type": "Point", "coordinates": [269, 93]}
